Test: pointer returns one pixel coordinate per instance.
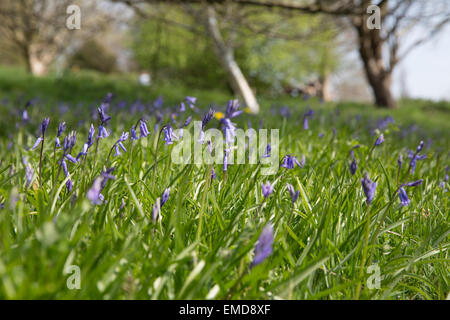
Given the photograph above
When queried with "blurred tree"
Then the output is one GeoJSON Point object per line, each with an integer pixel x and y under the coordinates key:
{"type": "Point", "coordinates": [378, 46]}
{"type": "Point", "coordinates": [95, 56]}
{"type": "Point", "coordinates": [36, 29]}
{"type": "Point", "coordinates": [276, 51]}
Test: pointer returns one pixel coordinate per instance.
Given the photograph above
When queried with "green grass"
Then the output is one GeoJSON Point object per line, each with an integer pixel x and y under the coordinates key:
{"type": "Point", "coordinates": [204, 242]}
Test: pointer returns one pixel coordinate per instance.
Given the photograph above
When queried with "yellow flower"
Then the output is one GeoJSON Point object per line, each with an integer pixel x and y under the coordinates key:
{"type": "Point", "coordinates": [247, 110]}
{"type": "Point", "coordinates": [218, 115]}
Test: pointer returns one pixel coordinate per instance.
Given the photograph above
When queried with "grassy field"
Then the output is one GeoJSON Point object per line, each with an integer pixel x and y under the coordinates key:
{"type": "Point", "coordinates": [329, 244]}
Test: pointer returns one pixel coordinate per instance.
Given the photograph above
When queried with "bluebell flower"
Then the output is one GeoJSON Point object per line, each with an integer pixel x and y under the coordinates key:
{"type": "Point", "coordinates": [414, 156]}
{"type": "Point", "coordinates": [213, 174]}
{"type": "Point", "coordinates": [182, 107]}
{"type": "Point", "coordinates": [93, 193]}
{"type": "Point", "coordinates": [403, 197]}
{"type": "Point", "coordinates": [165, 196]}
{"type": "Point", "coordinates": [292, 193]}
{"type": "Point", "coordinates": [69, 185]}
{"type": "Point", "coordinates": [379, 140]}
{"type": "Point", "coordinates": [64, 167]}
{"type": "Point", "coordinates": [267, 189]}
{"type": "Point", "coordinates": [263, 247]}
{"type": "Point", "coordinates": [267, 152]}
{"type": "Point", "coordinates": [44, 125]}
{"type": "Point", "coordinates": [158, 103]}
{"type": "Point", "coordinates": [232, 109]}
{"type": "Point", "coordinates": [229, 130]}
{"type": "Point", "coordinates": [225, 159]}
{"type": "Point", "coordinates": [414, 183]}
{"type": "Point", "coordinates": [191, 101]}
{"type": "Point", "coordinates": [168, 134]}
{"type": "Point", "coordinates": [207, 117]}
{"type": "Point", "coordinates": [368, 188]}
{"type": "Point", "coordinates": [102, 132]}
{"type": "Point", "coordinates": [143, 129]}
{"type": "Point", "coordinates": [104, 118]}
{"type": "Point", "coordinates": [133, 134]}
{"type": "Point", "coordinates": [187, 122]}
{"type": "Point", "coordinates": [71, 159]}
{"type": "Point", "coordinates": [353, 167]}
{"type": "Point", "coordinates": [61, 128]}
{"type": "Point", "coordinates": [307, 114]}
{"type": "Point", "coordinates": [321, 135]}
{"type": "Point", "coordinates": [38, 141]}
{"type": "Point", "coordinates": [289, 162]}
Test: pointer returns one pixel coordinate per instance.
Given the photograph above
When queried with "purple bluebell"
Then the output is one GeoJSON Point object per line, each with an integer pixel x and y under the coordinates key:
{"type": "Point", "coordinates": [379, 140]}
{"type": "Point", "coordinates": [187, 122]}
{"type": "Point", "coordinates": [182, 107]}
{"type": "Point", "coordinates": [165, 196]}
{"type": "Point", "coordinates": [307, 115]}
{"type": "Point", "coordinates": [158, 103]}
{"type": "Point", "coordinates": [133, 136]}
{"type": "Point", "coordinates": [93, 193]}
{"type": "Point", "coordinates": [69, 185]}
{"type": "Point", "coordinates": [104, 118]}
{"type": "Point", "coordinates": [191, 101]}
{"type": "Point", "coordinates": [213, 174]}
{"type": "Point", "coordinates": [102, 132]}
{"type": "Point", "coordinates": [267, 152]}
{"type": "Point", "coordinates": [64, 167]}
{"type": "Point", "coordinates": [292, 193]}
{"type": "Point", "coordinates": [368, 188]}
{"type": "Point", "coordinates": [264, 245]}
{"type": "Point", "coordinates": [61, 128]}
{"type": "Point", "coordinates": [413, 184]}
{"type": "Point", "coordinates": [44, 125]}
{"type": "Point", "coordinates": [414, 156]}
{"type": "Point", "coordinates": [207, 117]}
{"type": "Point", "coordinates": [168, 134]}
{"type": "Point", "coordinates": [232, 109]}
{"type": "Point", "coordinates": [267, 189]}
{"type": "Point", "coordinates": [71, 158]}
{"type": "Point", "coordinates": [225, 159]}
{"type": "Point", "coordinates": [229, 130]}
{"type": "Point", "coordinates": [38, 141]}
{"type": "Point", "coordinates": [353, 167]}
{"type": "Point", "coordinates": [289, 162]}
{"type": "Point", "coordinates": [403, 197]}
{"type": "Point", "coordinates": [321, 135]}
{"type": "Point", "coordinates": [143, 129]}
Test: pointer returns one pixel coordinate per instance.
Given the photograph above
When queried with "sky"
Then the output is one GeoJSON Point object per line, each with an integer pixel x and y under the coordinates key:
{"type": "Point", "coordinates": [426, 68]}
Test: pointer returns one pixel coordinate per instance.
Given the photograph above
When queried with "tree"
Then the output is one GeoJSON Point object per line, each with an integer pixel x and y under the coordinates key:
{"type": "Point", "coordinates": [379, 48]}
{"type": "Point", "coordinates": [37, 30]}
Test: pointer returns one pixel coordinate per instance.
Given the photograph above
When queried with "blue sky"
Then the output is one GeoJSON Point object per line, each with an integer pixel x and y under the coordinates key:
{"type": "Point", "coordinates": [427, 68]}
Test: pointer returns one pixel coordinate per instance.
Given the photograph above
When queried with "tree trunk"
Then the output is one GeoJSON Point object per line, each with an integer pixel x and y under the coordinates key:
{"type": "Point", "coordinates": [378, 75]}
{"type": "Point", "coordinates": [235, 76]}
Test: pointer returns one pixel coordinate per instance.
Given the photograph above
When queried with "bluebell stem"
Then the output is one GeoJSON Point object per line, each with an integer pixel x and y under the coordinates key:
{"type": "Point", "coordinates": [292, 193]}
{"type": "Point", "coordinates": [289, 162]}
{"type": "Point", "coordinates": [267, 189]}
{"type": "Point", "coordinates": [368, 188]}
{"type": "Point", "coordinates": [263, 247]}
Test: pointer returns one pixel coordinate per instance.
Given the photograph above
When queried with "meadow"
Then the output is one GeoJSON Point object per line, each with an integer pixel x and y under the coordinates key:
{"type": "Point", "coordinates": [83, 218]}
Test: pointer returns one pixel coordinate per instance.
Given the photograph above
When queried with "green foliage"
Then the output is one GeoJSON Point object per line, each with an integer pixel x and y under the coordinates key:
{"type": "Point", "coordinates": [204, 243]}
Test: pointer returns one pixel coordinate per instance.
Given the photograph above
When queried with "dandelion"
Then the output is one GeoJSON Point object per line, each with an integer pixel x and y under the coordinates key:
{"type": "Point", "coordinates": [292, 193]}
{"type": "Point", "coordinates": [368, 188]}
{"type": "Point", "coordinates": [263, 247]}
{"type": "Point", "coordinates": [267, 189]}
